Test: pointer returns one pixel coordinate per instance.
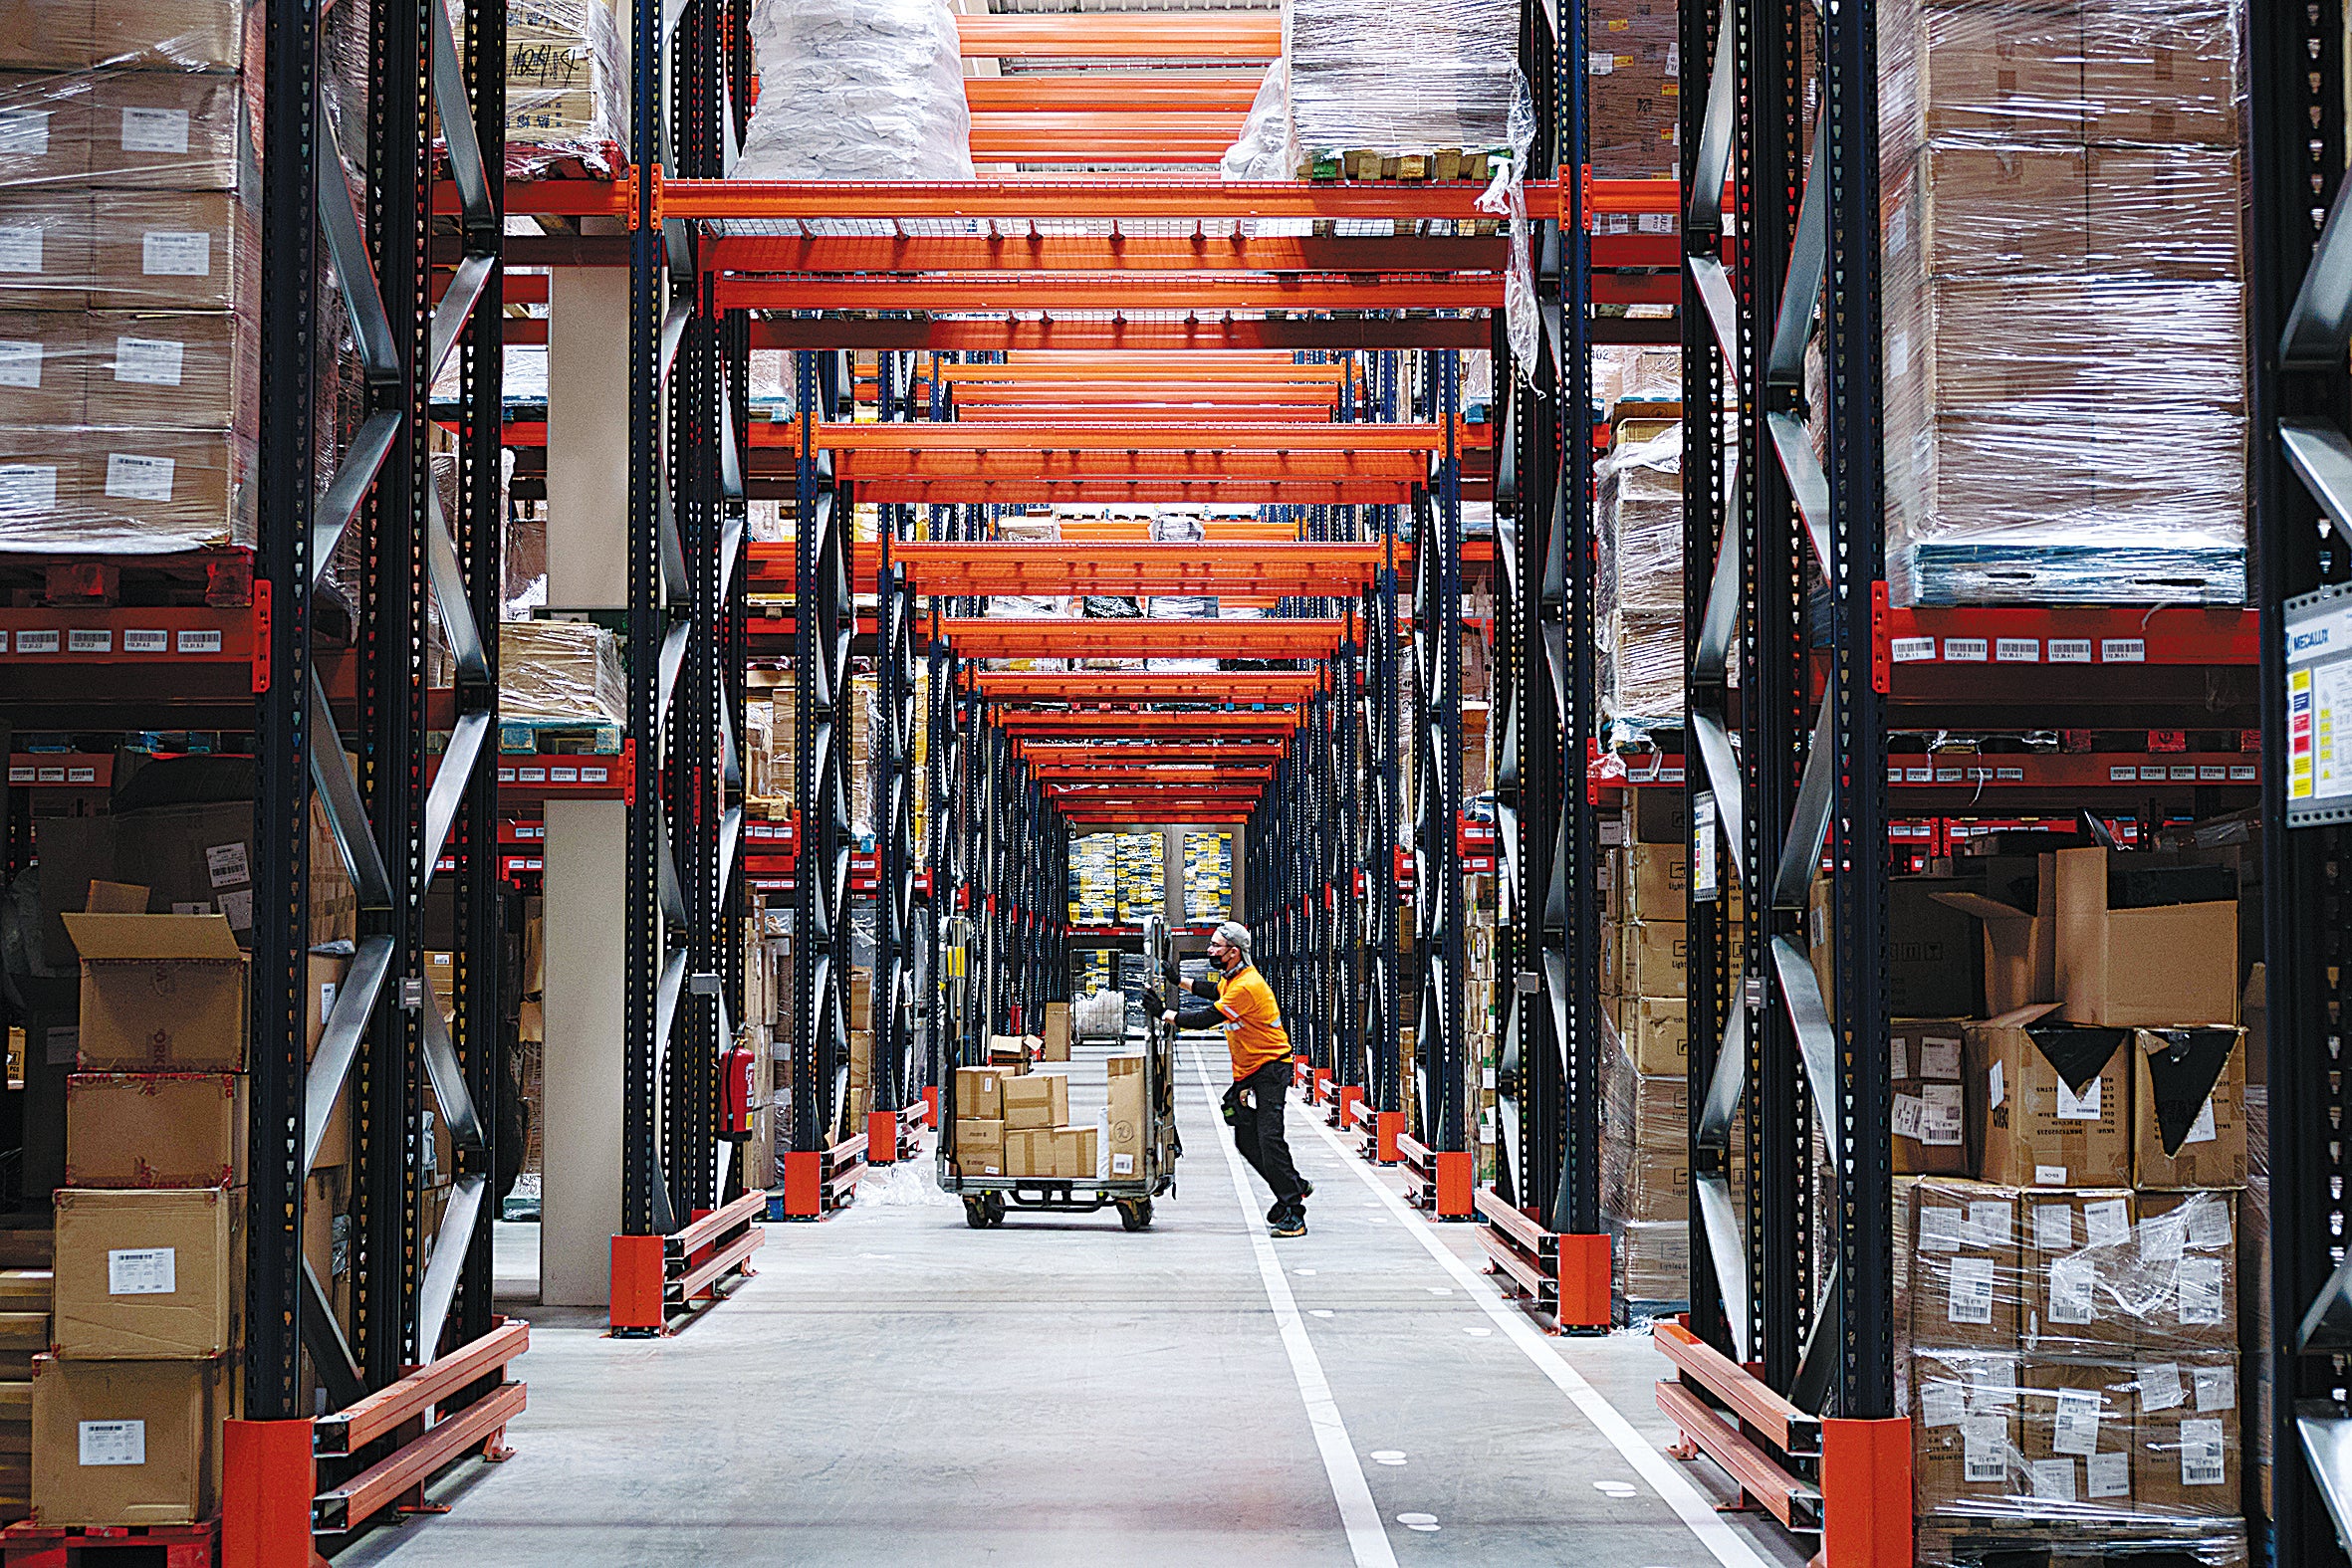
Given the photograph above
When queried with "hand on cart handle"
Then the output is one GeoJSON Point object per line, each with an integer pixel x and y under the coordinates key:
{"type": "Point", "coordinates": [1159, 1009]}
{"type": "Point", "coordinates": [1173, 973]}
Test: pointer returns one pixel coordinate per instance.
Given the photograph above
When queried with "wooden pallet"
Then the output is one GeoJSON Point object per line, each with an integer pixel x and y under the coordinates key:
{"type": "Point", "coordinates": [217, 577]}
{"type": "Point", "coordinates": [558, 736]}
{"type": "Point", "coordinates": [29, 1545]}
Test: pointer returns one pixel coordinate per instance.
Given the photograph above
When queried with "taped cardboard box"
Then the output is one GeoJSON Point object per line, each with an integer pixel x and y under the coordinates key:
{"type": "Point", "coordinates": [177, 35]}
{"type": "Point", "coordinates": [2020, 939]}
{"type": "Point", "coordinates": [179, 130]}
{"type": "Point", "coordinates": [2048, 1102]}
{"type": "Point", "coordinates": [160, 992]}
{"type": "Point", "coordinates": [2081, 1267]}
{"type": "Point", "coordinates": [1930, 1102]}
{"type": "Point", "coordinates": [1076, 1153]}
{"type": "Point", "coordinates": [2185, 1285]}
{"type": "Point", "coordinates": [172, 370]}
{"type": "Point", "coordinates": [126, 1443]}
{"type": "Point", "coordinates": [2109, 1543]}
{"type": "Point", "coordinates": [2184, 1441]}
{"type": "Point", "coordinates": [2187, 1107]}
{"type": "Point", "coordinates": [1130, 1119]}
{"type": "Point", "coordinates": [1656, 1032]}
{"type": "Point", "coordinates": [980, 1147]}
{"type": "Point", "coordinates": [1650, 881]}
{"type": "Point", "coordinates": [181, 1130]}
{"type": "Point", "coordinates": [2146, 943]}
{"type": "Point", "coordinates": [1028, 1151]}
{"type": "Point", "coordinates": [1966, 1287]}
{"type": "Point", "coordinates": [1055, 1046]}
{"type": "Point", "coordinates": [44, 249]}
{"type": "Point", "coordinates": [1965, 1435]}
{"type": "Point", "coordinates": [44, 367]}
{"type": "Point", "coordinates": [980, 1093]}
{"type": "Point", "coordinates": [1034, 1102]}
{"type": "Point", "coordinates": [2076, 1436]}
{"type": "Point", "coordinates": [47, 35]}
{"type": "Point", "coordinates": [1652, 958]}
{"type": "Point", "coordinates": [149, 1275]}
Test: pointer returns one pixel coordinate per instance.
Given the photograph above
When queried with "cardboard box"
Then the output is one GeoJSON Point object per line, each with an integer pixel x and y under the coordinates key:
{"type": "Point", "coordinates": [172, 490]}
{"type": "Point", "coordinates": [160, 991]}
{"type": "Point", "coordinates": [149, 1275]}
{"type": "Point", "coordinates": [1130, 1119]}
{"type": "Point", "coordinates": [2047, 1101]}
{"type": "Point", "coordinates": [2080, 1272]}
{"type": "Point", "coordinates": [117, 898]}
{"type": "Point", "coordinates": [980, 1093]}
{"type": "Point", "coordinates": [45, 251]}
{"type": "Point", "coordinates": [1964, 1430]}
{"type": "Point", "coordinates": [1656, 1034]}
{"type": "Point", "coordinates": [2159, 964]}
{"type": "Point", "coordinates": [1933, 953]}
{"type": "Point", "coordinates": [2008, 70]}
{"type": "Point", "coordinates": [43, 130]}
{"type": "Point", "coordinates": [1930, 1120]}
{"type": "Point", "coordinates": [1652, 958]}
{"type": "Point", "coordinates": [1964, 1266]}
{"type": "Point", "coordinates": [44, 367]}
{"type": "Point", "coordinates": [1056, 1036]}
{"type": "Point", "coordinates": [2188, 1107]}
{"type": "Point", "coordinates": [46, 35]}
{"type": "Point", "coordinates": [2075, 1432]}
{"type": "Point", "coordinates": [173, 369]}
{"type": "Point", "coordinates": [167, 250]}
{"type": "Point", "coordinates": [1971, 208]}
{"type": "Point", "coordinates": [1041, 1100]}
{"type": "Point", "coordinates": [127, 1441]}
{"type": "Point", "coordinates": [1074, 1150]}
{"type": "Point", "coordinates": [1650, 881]}
{"type": "Point", "coordinates": [1028, 1151]}
{"type": "Point", "coordinates": [2186, 1274]}
{"type": "Point", "coordinates": [127, 1130]}
{"type": "Point", "coordinates": [2184, 1438]}
{"type": "Point", "coordinates": [1015, 1051]}
{"type": "Point", "coordinates": [2020, 941]}
{"type": "Point", "coordinates": [166, 130]}
{"type": "Point", "coordinates": [2195, 188]}
{"type": "Point", "coordinates": [979, 1148]}
{"type": "Point", "coordinates": [178, 35]}
{"type": "Point", "coordinates": [2160, 74]}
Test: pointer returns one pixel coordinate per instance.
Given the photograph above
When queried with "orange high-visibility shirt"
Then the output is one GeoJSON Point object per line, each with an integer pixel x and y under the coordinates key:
{"type": "Point", "coordinates": [1254, 1030]}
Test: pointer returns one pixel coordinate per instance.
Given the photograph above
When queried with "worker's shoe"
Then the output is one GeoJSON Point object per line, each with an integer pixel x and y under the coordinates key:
{"type": "Point", "coordinates": [1293, 1223]}
{"type": "Point", "coordinates": [1305, 1190]}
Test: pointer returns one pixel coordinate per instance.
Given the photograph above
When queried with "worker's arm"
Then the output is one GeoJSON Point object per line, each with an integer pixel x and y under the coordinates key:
{"type": "Point", "coordinates": [1204, 988]}
{"type": "Point", "coordinates": [1185, 1018]}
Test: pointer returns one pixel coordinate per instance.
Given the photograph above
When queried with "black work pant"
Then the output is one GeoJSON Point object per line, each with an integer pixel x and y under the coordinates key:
{"type": "Point", "coordinates": [1257, 1130]}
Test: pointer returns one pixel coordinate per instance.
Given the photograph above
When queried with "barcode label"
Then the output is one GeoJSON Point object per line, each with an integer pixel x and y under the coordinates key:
{"type": "Point", "coordinates": [136, 641]}
{"type": "Point", "coordinates": [1966, 650]}
{"type": "Point", "coordinates": [98, 640]}
{"type": "Point", "coordinates": [1912, 650]}
{"type": "Point", "coordinates": [2017, 650]}
{"type": "Point", "coordinates": [2217, 1387]}
{"type": "Point", "coordinates": [2077, 1430]}
{"type": "Point", "coordinates": [2073, 1289]}
{"type": "Point", "coordinates": [1972, 1290]}
{"type": "Point", "coordinates": [2159, 1386]}
{"type": "Point", "coordinates": [141, 1271]}
{"type": "Point", "coordinates": [2070, 650]}
{"type": "Point", "coordinates": [1983, 1450]}
{"type": "Point", "coordinates": [199, 642]}
{"type": "Point", "coordinates": [113, 1442]}
{"type": "Point", "coordinates": [2123, 650]}
{"type": "Point", "coordinates": [2201, 1292]}
{"type": "Point", "coordinates": [2109, 1474]}
{"type": "Point", "coordinates": [2053, 1480]}
{"type": "Point", "coordinates": [2201, 1453]}
{"type": "Point", "coordinates": [38, 642]}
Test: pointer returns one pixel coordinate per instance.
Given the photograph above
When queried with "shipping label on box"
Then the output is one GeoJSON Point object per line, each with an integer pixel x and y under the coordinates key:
{"type": "Point", "coordinates": [2185, 1278]}
{"type": "Point", "coordinates": [2047, 1101]}
{"type": "Point", "coordinates": [2079, 1266]}
{"type": "Point", "coordinates": [2188, 1115]}
{"type": "Point", "coordinates": [127, 1443]}
{"type": "Point", "coordinates": [2075, 1434]}
{"type": "Point", "coordinates": [1965, 1427]}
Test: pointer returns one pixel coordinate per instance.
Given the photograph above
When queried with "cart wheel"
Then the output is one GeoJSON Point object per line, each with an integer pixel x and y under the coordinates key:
{"type": "Point", "coordinates": [975, 1215]}
{"type": "Point", "coordinates": [1136, 1215]}
{"type": "Point", "coordinates": [995, 1203]}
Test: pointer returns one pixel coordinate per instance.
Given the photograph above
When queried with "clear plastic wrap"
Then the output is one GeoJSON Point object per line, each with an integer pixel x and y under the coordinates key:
{"type": "Point", "coordinates": [1640, 588]}
{"type": "Point", "coordinates": [562, 672]}
{"type": "Point", "coordinates": [2061, 224]}
{"type": "Point", "coordinates": [1645, 1148]}
{"type": "Point", "coordinates": [2074, 1358]}
{"type": "Point", "coordinates": [1650, 1273]}
{"type": "Point", "coordinates": [567, 110]}
{"type": "Point", "coordinates": [857, 90]}
{"type": "Point", "coordinates": [1404, 80]}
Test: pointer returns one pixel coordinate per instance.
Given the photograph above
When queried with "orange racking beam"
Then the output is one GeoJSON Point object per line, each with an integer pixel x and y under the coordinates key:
{"type": "Point", "coordinates": [1012, 638]}
{"type": "Point", "coordinates": [1113, 35]}
{"type": "Point", "coordinates": [912, 489]}
{"type": "Point", "coordinates": [1203, 335]}
{"type": "Point", "coordinates": [1097, 723]}
{"type": "Point", "coordinates": [953, 568]}
{"type": "Point", "coordinates": [1100, 413]}
{"type": "Point", "coordinates": [1084, 137]}
{"type": "Point", "coordinates": [1097, 753]}
{"type": "Point", "coordinates": [1192, 437]}
{"type": "Point", "coordinates": [1245, 365]}
{"type": "Point", "coordinates": [1127, 92]}
{"type": "Point", "coordinates": [1081, 290]}
{"type": "Point", "coordinates": [1241, 685]}
{"type": "Point", "coordinates": [1148, 774]}
{"type": "Point", "coordinates": [1101, 253]}
{"type": "Point", "coordinates": [1063, 398]}
{"type": "Point", "coordinates": [1109, 196]}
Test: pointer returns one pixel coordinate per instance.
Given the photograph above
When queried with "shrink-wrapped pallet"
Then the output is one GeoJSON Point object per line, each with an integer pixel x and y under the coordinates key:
{"type": "Point", "coordinates": [560, 671]}
{"type": "Point", "coordinates": [567, 110]}
{"type": "Point", "coordinates": [857, 90]}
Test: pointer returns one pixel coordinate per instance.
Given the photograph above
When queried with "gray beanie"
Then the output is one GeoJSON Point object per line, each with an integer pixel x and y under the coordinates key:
{"type": "Point", "coordinates": [1237, 936]}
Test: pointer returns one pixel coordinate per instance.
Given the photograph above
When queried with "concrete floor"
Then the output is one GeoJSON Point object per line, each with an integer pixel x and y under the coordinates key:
{"type": "Point", "coordinates": [896, 1388]}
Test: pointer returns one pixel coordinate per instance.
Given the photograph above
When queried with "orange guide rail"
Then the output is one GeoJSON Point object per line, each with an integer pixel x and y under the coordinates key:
{"type": "Point", "coordinates": [1076, 753]}
{"type": "Point", "coordinates": [1129, 91]}
{"type": "Point", "coordinates": [1102, 723]}
{"type": "Point", "coordinates": [1243, 367]}
{"type": "Point", "coordinates": [1151, 776]}
{"type": "Point", "coordinates": [1143, 639]}
{"type": "Point", "coordinates": [1111, 196]}
{"type": "Point", "coordinates": [1147, 686]}
{"type": "Point", "coordinates": [1101, 253]}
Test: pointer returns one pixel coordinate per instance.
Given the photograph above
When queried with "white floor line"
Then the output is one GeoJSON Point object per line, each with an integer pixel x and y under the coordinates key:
{"type": "Point", "coordinates": [1672, 1486]}
{"type": "Point", "coordinates": [1368, 1537]}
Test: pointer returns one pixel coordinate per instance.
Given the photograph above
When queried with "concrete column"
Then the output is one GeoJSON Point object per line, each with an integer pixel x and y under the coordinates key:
{"type": "Point", "coordinates": [1172, 873]}
{"type": "Point", "coordinates": [587, 445]}
{"type": "Point", "coordinates": [587, 858]}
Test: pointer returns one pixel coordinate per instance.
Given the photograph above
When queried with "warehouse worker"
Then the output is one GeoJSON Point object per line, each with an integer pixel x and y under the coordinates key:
{"type": "Point", "coordinates": [1260, 1048]}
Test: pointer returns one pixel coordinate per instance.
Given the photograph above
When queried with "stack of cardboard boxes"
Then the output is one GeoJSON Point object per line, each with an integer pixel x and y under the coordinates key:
{"type": "Point", "coordinates": [564, 92]}
{"type": "Point", "coordinates": [1635, 106]}
{"type": "Point", "coordinates": [1012, 1123]}
{"type": "Point", "coordinates": [1208, 876]}
{"type": "Point", "coordinates": [1640, 599]}
{"type": "Point", "coordinates": [2069, 1218]}
{"type": "Point", "coordinates": [2060, 179]}
{"type": "Point", "coordinates": [129, 270]}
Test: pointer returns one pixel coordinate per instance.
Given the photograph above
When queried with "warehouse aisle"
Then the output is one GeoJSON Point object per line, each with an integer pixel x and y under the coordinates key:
{"type": "Point", "coordinates": [895, 1387]}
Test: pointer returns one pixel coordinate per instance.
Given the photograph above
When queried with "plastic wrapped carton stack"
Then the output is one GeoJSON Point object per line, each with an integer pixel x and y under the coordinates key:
{"type": "Point", "coordinates": [564, 99]}
{"type": "Point", "coordinates": [1093, 880]}
{"type": "Point", "coordinates": [2064, 345]}
{"type": "Point", "coordinates": [563, 674]}
{"type": "Point", "coordinates": [864, 90]}
{"type": "Point", "coordinates": [1640, 559]}
{"type": "Point", "coordinates": [1142, 877]}
{"type": "Point", "coordinates": [1208, 876]}
{"type": "Point", "coordinates": [1645, 1104]}
{"type": "Point", "coordinates": [1357, 110]}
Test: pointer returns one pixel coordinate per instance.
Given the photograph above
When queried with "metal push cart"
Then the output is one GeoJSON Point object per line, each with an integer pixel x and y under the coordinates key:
{"type": "Point", "coordinates": [988, 1199]}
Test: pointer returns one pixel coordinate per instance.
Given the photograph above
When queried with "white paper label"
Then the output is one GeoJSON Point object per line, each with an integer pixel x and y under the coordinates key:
{"type": "Point", "coordinates": [2070, 650]}
{"type": "Point", "coordinates": [134, 478]}
{"type": "Point", "coordinates": [1940, 1059]}
{"type": "Point", "coordinates": [1122, 1165]}
{"type": "Point", "coordinates": [2053, 1480]}
{"type": "Point", "coordinates": [237, 904]}
{"type": "Point", "coordinates": [2201, 1129]}
{"type": "Point", "coordinates": [2077, 1430]}
{"type": "Point", "coordinates": [2201, 1292]}
{"type": "Point", "coordinates": [137, 640]}
{"type": "Point", "coordinates": [2108, 1474]}
{"type": "Point", "coordinates": [1907, 1116]}
{"type": "Point", "coordinates": [20, 247]}
{"type": "Point", "coordinates": [2162, 1237]}
{"type": "Point", "coordinates": [1972, 1290]}
{"type": "Point", "coordinates": [149, 361]}
{"type": "Point", "coordinates": [2208, 1225]}
{"type": "Point", "coordinates": [171, 253]}
{"type": "Point", "coordinates": [1997, 1087]}
{"type": "Point", "coordinates": [2017, 650]}
{"type": "Point", "coordinates": [155, 131]}
{"type": "Point", "coordinates": [2054, 1227]}
{"type": "Point", "coordinates": [1898, 1059]}
{"type": "Point", "coordinates": [114, 1442]}
{"type": "Point", "coordinates": [2123, 650]}
{"type": "Point", "coordinates": [1911, 650]}
{"type": "Point", "coordinates": [2049, 1176]}
{"type": "Point", "coordinates": [1942, 1403]}
{"type": "Point", "coordinates": [93, 639]}
{"type": "Point", "coordinates": [1988, 1224]}
{"type": "Point", "coordinates": [1939, 1229]}
{"type": "Point", "coordinates": [1983, 1450]}
{"type": "Point", "coordinates": [2201, 1453]}
{"type": "Point", "coordinates": [2083, 1107]}
{"type": "Point", "coordinates": [142, 1271]}
{"type": "Point", "coordinates": [205, 641]}
{"type": "Point", "coordinates": [198, 907]}
{"type": "Point", "coordinates": [1941, 1115]}
{"type": "Point", "coordinates": [20, 363]}
{"type": "Point", "coordinates": [327, 990]}
{"type": "Point", "coordinates": [1993, 1383]}
{"type": "Point", "coordinates": [27, 488]}
{"type": "Point", "coordinates": [2073, 1292]}
{"type": "Point", "coordinates": [225, 864]}
{"type": "Point", "coordinates": [2159, 1386]}
{"type": "Point", "coordinates": [2217, 1387]}
{"type": "Point", "coordinates": [2108, 1219]}
{"type": "Point", "coordinates": [1966, 650]}
{"type": "Point", "coordinates": [23, 132]}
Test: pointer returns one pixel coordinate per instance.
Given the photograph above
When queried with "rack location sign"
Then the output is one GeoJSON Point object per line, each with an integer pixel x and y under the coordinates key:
{"type": "Point", "coordinates": [2319, 708]}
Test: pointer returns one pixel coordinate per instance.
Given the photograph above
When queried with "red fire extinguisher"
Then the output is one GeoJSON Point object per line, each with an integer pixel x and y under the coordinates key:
{"type": "Point", "coordinates": [736, 1101]}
